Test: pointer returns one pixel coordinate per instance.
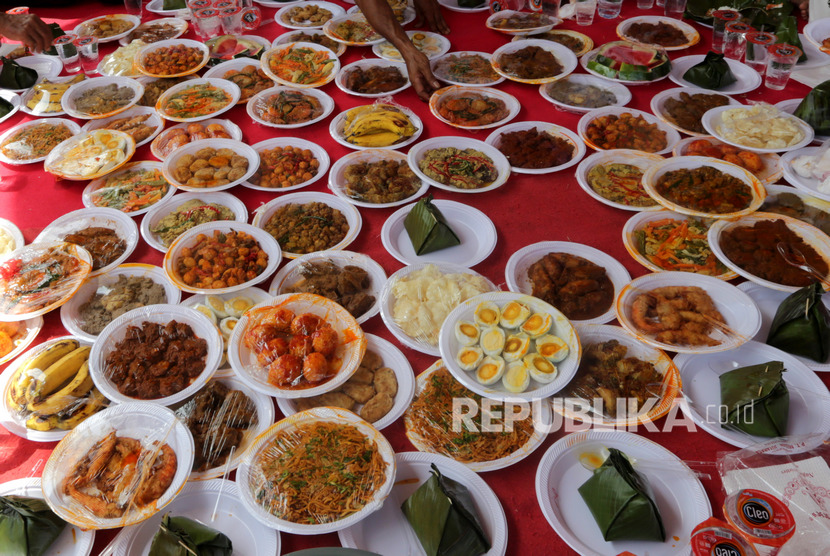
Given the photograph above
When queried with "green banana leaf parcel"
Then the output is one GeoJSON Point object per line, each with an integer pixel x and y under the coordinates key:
{"type": "Point", "coordinates": [620, 502]}
{"type": "Point", "coordinates": [815, 108]}
{"type": "Point", "coordinates": [756, 399]}
{"type": "Point", "coordinates": [712, 73]}
{"type": "Point", "coordinates": [182, 536]}
{"type": "Point", "coordinates": [428, 229]}
{"type": "Point", "coordinates": [28, 527]}
{"type": "Point", "coordinates": [801, 325]}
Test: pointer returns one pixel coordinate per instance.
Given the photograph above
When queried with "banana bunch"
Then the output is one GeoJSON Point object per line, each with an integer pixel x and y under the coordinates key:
{"type": "Point", "coordinates": [53, 389]}
{"type": "Point", "coordinates": [377, 125]}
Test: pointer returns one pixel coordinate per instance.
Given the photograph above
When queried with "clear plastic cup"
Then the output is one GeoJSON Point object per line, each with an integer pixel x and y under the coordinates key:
{"type": "Point", "coordinates": [675, 8]}
{"type": "Point", "coordinates": [645, 4]}
{"type": "Point", "coordinates": [719, 20]}
{"type": "Point", "coordinates": [661, 3]}
{"type": "Point", "coordinates": [208, 23]}
{"type": "Point", "coordinates": [18, 10]}
{"type": "Point", "coordinates": [231, 17]}
{"type": "Point", "coordinates": [609, 9]}
{"type": "Point", "coordinates": [585, 10]}
{"type": "Point", "coordinates": [195, 5]}
{"type": "Point", "coordinates": [222, 4]}
{"type": "Point", "coordinates": [756, 50]}
{"type": "Point", "coordinates": [134, 7]}
{"type": "Point", "coordinates": [551, 7]}
{"type": "Point", "coordinates": [734, 40]}
{"type": "Point", "coordinates": [87, 46]}
{"type": "Point", "coordinates": [782, 59]}
{"type": "Point", "coordinates": [68, 53]}
{"type": "Point", "coordinates": [499, 5]}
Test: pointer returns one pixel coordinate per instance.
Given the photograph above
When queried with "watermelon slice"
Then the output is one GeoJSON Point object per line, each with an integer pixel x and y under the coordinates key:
{"type": "Point", "coordinates": [228, 47]}
{"type": "Point", "coordinates": [630, 62]}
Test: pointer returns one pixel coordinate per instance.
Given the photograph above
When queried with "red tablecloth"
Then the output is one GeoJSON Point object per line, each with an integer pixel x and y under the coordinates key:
{"type": "Point", "coordinates": [526, 210]}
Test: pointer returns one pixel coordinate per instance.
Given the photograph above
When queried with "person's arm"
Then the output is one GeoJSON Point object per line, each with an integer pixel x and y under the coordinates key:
{"type": "Point", "coordinates": [803, 7]}
{"type": "Point", "coordinates": [381, 17]}
{"type": "Point", "coordinates": [28, 29]}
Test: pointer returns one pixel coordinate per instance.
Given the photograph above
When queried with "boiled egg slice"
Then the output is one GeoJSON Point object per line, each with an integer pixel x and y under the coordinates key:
{"type": "Point", "coordinates": [487, 313]}
{"type": "Point", "coordinates": [466, 332]}
{"type": "Point", "coordinates": [517, 378]}
{"type": "Point", "coordinates": [553, 348]}
{"type": "Point", "coordinates": [217, 305]}
{"type": "Point", "coordinates": [492, 340]}
{"type": "Point", "coordinates": [205, 310]}
{"type": "Point", "coordinates": [537, 325]}
{"type": "Point", "coordinates": [540, 369]}
{"type": "Point", "coordinates": [469, 357]}
{"type": "Point", "coordinates": [226, 326]}
{"type": "Point", "coordinates": [490, 370]}
{"type": "Point", "coordinates": [515, 347]}
{"type": "Point", "coordinates": [593, 459]}
{"type": "Point", "coordinates": [514, 314]}
{"type": "Point", "coordinates": [238, 305]}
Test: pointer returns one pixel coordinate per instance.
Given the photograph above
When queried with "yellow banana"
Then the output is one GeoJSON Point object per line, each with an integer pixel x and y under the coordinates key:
{"type": "Point", "coordinates": [78, 387]}
{"type": "Point", "coordinates": [57, 374]}
{"type": "Point", "coordinates": [95, 403]}
{"type": "Point", "coordinates": [355, 112]}
{"type": "Point", "coordinates": [34, 367]}
{"type": "Point", "coordinates": [380, 139]}
{"type": "Point", "coordinates": [373, 124]}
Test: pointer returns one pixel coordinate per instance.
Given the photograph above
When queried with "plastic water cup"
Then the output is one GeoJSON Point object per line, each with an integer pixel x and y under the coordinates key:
{"type": "Point", "coordinates": [551, 7]}
{"type": "Point", "coordinates": [645, 4]}
{"type": "Point", "coordinates": [208, 23]}
{"type": "Point", "coordinates": [782, 58]}
{"type": "Point", "coordinates": [609, 9]}
{"type": "Point", "coordinates": [585, 11]}
{"type": "Point", "coordinates": [134, 7]}
{"type": "Point", "coordinates": [68, 53]}
{"type": "Point", "coordinates": [661, 3]}
{"type": "Point", "coordinates": [675, 8]}
{"type": "Point", "coordinates": [757, 52]}
{"type": "Point", "coordinates": [719, 20]}
{"type": "Point", "coordinates": [196, 5]}
{"type": "Point", "coordinates": [734, 41]}
{"type": "Point", "coordinates": [231, 17]}
{"type": "Point", "coordinates": [88, 51]}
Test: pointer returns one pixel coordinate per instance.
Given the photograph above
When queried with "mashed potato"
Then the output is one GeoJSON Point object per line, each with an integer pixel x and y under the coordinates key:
{"type": "Point", "coordinates": [424, 298]}
{"type": "Point", "coordinates": [761, 127]}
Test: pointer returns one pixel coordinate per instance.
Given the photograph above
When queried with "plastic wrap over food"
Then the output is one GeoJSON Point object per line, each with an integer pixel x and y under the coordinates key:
{"type": "Point", "coordinates": [761, 126]}
{"type": "Point", "coordinates": [224, 418]}
{"type": "Point", "coordinates": [422, 298]}
{"type": "Point", "coordinates": [620, 379]}
{"type": "Point", "coordinates": [122, 60]}
{"type": "Point", "coordinates": [49, 389]}
{"type": "Point", "coordinates": [133, 190]}
{"type": "Point", "coordinates": [40, 277]}
{"type": "Point", "coordinates": [314, 470]}
{"type": "Point", "coordinates": [351, 280]}
{"type": "Point", "coordinates": [179, 136]}
{"type": "Point", "coordinates": [108, 235]}
{"type": "Point", "coordinates": [118, 467]}
{"type": "Point", "coordinates": [301, 344]}
{"type": "Point", "coordinates": [45, 97]}
{"type": "Point", "coordinates": [287, 107]}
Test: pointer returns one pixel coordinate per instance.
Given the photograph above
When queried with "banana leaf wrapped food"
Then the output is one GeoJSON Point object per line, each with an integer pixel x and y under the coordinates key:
{"type": "Point", "coordinates": [15, 76]}
{"type": "Point", "coordinates": [443, 514]}
{"type": "Point", "coordinates": [5, 107]}
{"type": "Point", "coordinates": [815, 108]}
{"type": "Point", "coordinates": [621, 502]}
{"type": "Point", "coordinates": [801, 325]}
{"type": "Point", "coordinates": [712, 73]}
{"type": "Point", "coordinates": [182, 536]}
{"type": "Point", "coordinates": [428, 229]}
{"type": "Point", "coordinates": [756, 399]}
{"type": "Point", "coordinates": [28, 527]}
{"type": "Point", "coordinates": [787, 33]}
{"type": "Point", "coordinates": [174, 5]}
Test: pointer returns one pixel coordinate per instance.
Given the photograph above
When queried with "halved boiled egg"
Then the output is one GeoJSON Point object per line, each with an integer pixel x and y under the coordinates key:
{"type": "Point", "coordinates": [466, 332]}
{"type": "Point", "coordinates": [226, 326]}
{"type": "Point", "coordinates": [236, 306]}
{"type": "Point", "coordinates": [469, 357]}
{"type": "Point", "coordinates": [593, 459]}
{"type": "Point", "coordinates": [514, 314]}
{"type": "Point", "coordinates": [517, 378]}
{"type": "Point", "coordinates": [487, 313]}
{"type": "Point", "coordinates": [515, 347]}
{"type": "Point", "coordinates": [541, 370]}
{"type": "Point", "coordinates": [537, 325]}
{"type": "Point", "coordinates": [492, 340]}
{"type": "Point", "coordinates": [217, 305]}
{"type": "Point", "coordinates": [205, 310]}
{"type": "Point", "coordinates": [490, 370]}
{"type": "Point", "coordinates": [553, 348]}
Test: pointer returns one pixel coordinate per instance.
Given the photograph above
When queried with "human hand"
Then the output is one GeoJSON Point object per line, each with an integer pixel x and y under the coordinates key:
{"type": "Point", "coordinates": [804, 7]}
{"type": "Point", "coordinates": [429, 11]}
{"type": "Point", "coordinates": [29, 29]}
{"type": "Point", "coordinates": [420, 74]}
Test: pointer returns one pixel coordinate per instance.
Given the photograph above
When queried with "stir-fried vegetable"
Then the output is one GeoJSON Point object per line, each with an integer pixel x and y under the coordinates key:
{"type": "Point", "coordinates": [131, 191]}
{"type": "Point", "coordinates": [301, 65]}
{"type": "Point", "coordinates": [679, 245]}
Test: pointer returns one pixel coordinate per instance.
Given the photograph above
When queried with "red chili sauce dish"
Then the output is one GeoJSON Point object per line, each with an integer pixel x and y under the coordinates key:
{"type": "Point", "coordinates": [299, 351]}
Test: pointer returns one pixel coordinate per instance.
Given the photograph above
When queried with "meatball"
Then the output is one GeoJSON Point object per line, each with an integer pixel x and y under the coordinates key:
{"type": "Point", "coordinates": [257, 338]}
{"type": "Point", "coordinates": [280, 319]}
{"type": "Point", "coordinates": [315, 367]}
{"type": "Point", "coordinates": [306, 324]}
{"type": "Point", "coordinates": [324, 340]}
{"type": "Point", "coordinates": [285, 370]}
{"type": "Point", "coordinates": [301, 345]}
{"type": "Point", "coordinates": [273, 349]}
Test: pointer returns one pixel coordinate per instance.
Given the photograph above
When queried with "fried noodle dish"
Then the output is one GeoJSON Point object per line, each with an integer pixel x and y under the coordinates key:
{"type": "Point", "coordinates": [430, 418]}
{"type": "Point", "coordinates": [118, 474]}
{"type": "Point", "coordinates": [677, 315]}
{"type": "Point", "coordinates": [318, 473]}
